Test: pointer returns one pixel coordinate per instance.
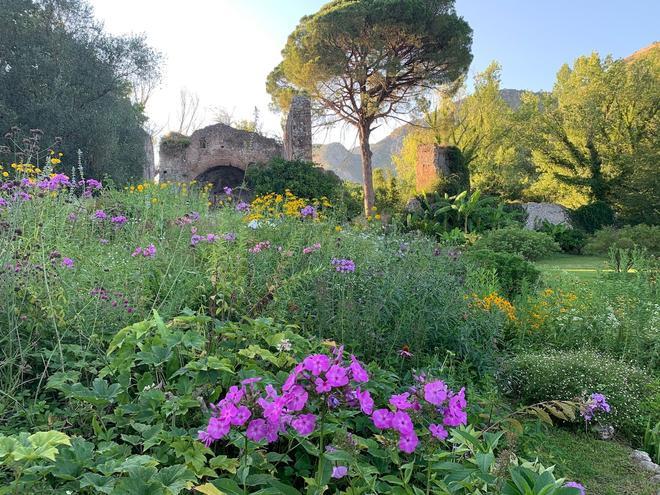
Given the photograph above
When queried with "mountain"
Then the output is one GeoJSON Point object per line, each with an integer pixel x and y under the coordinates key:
{"type": "Point", "coordinates": [347, 164]}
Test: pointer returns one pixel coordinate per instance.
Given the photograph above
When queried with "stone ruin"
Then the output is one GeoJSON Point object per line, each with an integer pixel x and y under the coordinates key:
{"type": "Point", "coordinates": [220, 154]}
{"type": "Point", "coordinates": [439, 167]}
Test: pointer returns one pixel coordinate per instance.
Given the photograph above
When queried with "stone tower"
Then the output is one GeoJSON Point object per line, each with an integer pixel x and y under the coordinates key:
{"type": "Point", "coordinates": [298, 130]}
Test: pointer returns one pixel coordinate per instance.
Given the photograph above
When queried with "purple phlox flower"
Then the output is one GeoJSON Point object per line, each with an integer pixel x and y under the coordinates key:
{"type": "Point", "coordinates": [339, 472]}
{"type": "Point", "coordinates": [337, 376]}
{"type": "Point", "coordinates": [402, 423]}
{"type": "Point", "coordinates": [3, 202]}
{"type": "Point", "coordinates": [343, 265]}
{"type": "Point", "coordinates": [408, 442]}
{"type": "Point", "coordinates": [573, 484]}
{"type": "Point", "coordinates": [72, 217]}
{"type": "Point", "coordinates": [435, 392]}
{"type": "Point", "coordinates": [365, 400]}
{"type": "Point", "coordinates": [401, 401]}
{"type": "Point", "coordinates": [304, 424]}
{"type": "Point", "coordinates": [308, 212]}
{"type": "Point", "coordinates": [242, 206]}
{"type": "Point", "coordinates": [93, 184]}
{"type": "Point", "coordinates": [455, 414]}
{"type": "Point", "coordinates": [100, 215]}
{"type": "Point", "coordinates": [119, 220]}
{"type": "Point", "coordinates": [227, 190]}
{"type": "Point", "coordinates": [382, 418]}
{"type": "Point", "coordinates": [296, 398]}
{"type": "Point", "coordinates": [150, 251]}
{"type": "Point", "coordinates": [438, 431]}
{"type": "Point", "coordinates": [229, 236]}
{"type": "Point", "coordinates": [359, 374]}
{"type": "Point", "coordinates": [322, 386]}
{"type": "Point", "coordinates": [291, 380]}
{"type": "Point", "coordinates": [67, 262]}
{"type": "Point", "coordinates": [316, 363]}
{"type": "Point", "coordinates": [257, 430]}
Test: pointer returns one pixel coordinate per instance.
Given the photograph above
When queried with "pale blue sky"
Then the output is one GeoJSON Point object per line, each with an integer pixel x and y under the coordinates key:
{"type": "Point", "coordinates": [224, 49]}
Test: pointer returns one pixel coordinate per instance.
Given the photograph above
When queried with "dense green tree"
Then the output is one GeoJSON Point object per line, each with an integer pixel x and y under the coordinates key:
{"type": "Point", "coordinates": [61, 73]}
{"type": "Point", "coordinates": [483, 126]}
{"type": "Point", "coordinates": [595, 137]}
{"type": "Point", "coordinates": [362, 61]}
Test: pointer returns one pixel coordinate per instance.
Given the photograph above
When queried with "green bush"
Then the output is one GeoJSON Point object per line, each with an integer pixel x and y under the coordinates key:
{"type": "Point", "coordinates": [643, 236]}
{"type": "Point", "coordinates": [529, 244]}
{"type": "Point", "coordinates": [539, 376]}
{"type": "Point", "coordinates": [593, 216]}
{"type": "Point", "coordinates": [304, 179]}
{"type": "Point", "coordinates": [571, 241]}
{"type": "Point", "coordinates": [512, 270]}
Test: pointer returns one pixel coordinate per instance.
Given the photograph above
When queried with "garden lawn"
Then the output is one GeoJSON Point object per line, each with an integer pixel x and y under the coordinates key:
{"type": "Point", "coordinates": [603, 467]}
{"type": "Point", "coordinates": [583, 267]}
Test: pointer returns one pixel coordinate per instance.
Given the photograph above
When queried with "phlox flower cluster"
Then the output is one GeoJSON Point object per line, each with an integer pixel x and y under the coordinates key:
{"type": "Point", "coordinates": [196, 238]}
{"type": "Point", "coordinates": [266, 413]}
{"type": "Point", "coordinates": [259, 246]}
{"type": "Point", "coordinates": [147, 252]}
{"type": "Point", "coordinates": [229, 236]}
{"type": "Point", "coordinates": [242, 206]}
{"type": "Point", "coordinates": [596, 403]}
{"type": "Point", "coordinates": [114, 299]}
{"type": "Point", "coordinates": [67, 263]}
{"type": "Point", "coordinates": [343, 265]}
{"type": "Point", "coordinates": [309, 212]}
{"type": "Point", "coordinates": [429, 401]}
{"type": "Point", "coordinates": [312, 248]}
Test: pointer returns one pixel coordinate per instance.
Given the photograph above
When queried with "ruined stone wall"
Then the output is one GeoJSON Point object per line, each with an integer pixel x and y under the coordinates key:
{"type": "Point", "coordinates": [298, 130]}
{"type": "Point", "coordinates": [202, 155]}
{"type": "Point", "coordinates": [219, 145]}
{"type": "Point", "coordinates": [432, 167]}
{"type": "Point", "coordinates": [149, 167]}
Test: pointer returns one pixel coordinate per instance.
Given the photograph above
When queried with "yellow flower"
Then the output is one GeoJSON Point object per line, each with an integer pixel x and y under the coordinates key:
{"type": "Point", "coordinates": [377, 217]}
{"type": "Point", "coordinates": [5, 174]}
{"type": "Point", "coordinates": [154, 200]}
{"type": "Point", "coordinates": [338, 228]}
{"type": "Point", "coordinates": [140, 187]}
{"type": "Point", "coordinates": [55, 161]}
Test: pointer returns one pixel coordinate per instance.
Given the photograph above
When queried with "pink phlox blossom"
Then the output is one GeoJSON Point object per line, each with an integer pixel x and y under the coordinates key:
{"type": "Point", "coordinates": [359, 374]}
{"type": "Point", "coordinates": [401, 401]}
{"type": "Point", "coordinates": [365, 400]}
{"type": "Point", "coordinates": [435, 392]}
{"type": "Point", "coordinates": [304, 424]}
{"type": "Point", "coordinates": [337, 376]}
{"type": "Point", "coordinates": [438, 431]}
{"type": "Point", "coordinates": [382, 419]}
{"type": "Point", "coordinates": [316, 363]}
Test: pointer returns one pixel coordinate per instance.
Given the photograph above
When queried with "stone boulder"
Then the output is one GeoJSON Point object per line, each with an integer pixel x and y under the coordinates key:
{"type": "Point", "coordinates": [552, 213]}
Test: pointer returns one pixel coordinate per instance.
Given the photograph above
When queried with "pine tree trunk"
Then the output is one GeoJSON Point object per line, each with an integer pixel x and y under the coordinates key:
{"type": "Point", "coordinates": [367, 173]}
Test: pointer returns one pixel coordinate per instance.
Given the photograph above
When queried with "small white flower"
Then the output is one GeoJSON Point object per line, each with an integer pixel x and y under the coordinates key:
{"type": "Point", "coordinates": [284, 345]}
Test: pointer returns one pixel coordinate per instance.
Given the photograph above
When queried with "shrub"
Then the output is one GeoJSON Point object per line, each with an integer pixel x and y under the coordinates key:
{"type": "Point", "coordinates": [644, 236]}
{"type": "Point", "coordinates": [570, 241]}
{"type": "Point", "coordinates": [304, 179]}
{"type": "Point", "coordinates": [512, 270]}
{"type": "Point", "coordinates": [539, 376]}
{"type": "Point", "coordinates": [529, 244]}
{"type": "Point", "coordinates": [593, 216]}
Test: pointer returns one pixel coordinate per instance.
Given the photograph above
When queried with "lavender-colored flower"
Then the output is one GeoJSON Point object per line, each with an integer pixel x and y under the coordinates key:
{"type": "Point", "coordinates": [72, 217]}
{"type": "Point", "coordinates": [304, 424]}
{"type": "Point", "coordinates": [67, 262]}
{"type": "Point", "coordinates": [119, 220]}
{"type": "Point", "coordinates": [229, 237]}
{"type": "Point", "coordinates": [104, 241]}
{"type": "Point", "coordinates": [100, 215]}
{"type": "Point", "coordinates": [408, 442]}
{"type": "Point", "coordinates": [3, 202]}
{"type": "Point", "coordinates": [343, 265]}
{"type": "Point", "coordinates": [438, 431]}
{"type": "Point", "coordinates": [596, 403]}
{"type": "Point", "coordinates": [242, 206]}
{"type": "Point", "coordinates": [308, 212]}
{"type": "Point", "coordinates": [227, 190]}
{"type": "Point", "coordinates": [339, 472]}
{"type": "Point", "coordinates": [573, 484]}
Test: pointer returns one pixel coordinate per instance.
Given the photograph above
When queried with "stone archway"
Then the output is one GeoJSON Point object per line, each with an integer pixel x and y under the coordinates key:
{"type": "Point", "coordinates": [221, 176]}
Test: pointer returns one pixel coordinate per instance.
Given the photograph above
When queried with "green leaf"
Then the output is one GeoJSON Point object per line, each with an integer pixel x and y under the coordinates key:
{"type": "Point", "coordinates": [101, 484]}
{"type": "Point", "coordinates": [175, 478]}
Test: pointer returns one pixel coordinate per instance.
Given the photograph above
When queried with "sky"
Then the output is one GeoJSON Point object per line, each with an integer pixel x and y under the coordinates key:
{"type": "Point", "coordinates": [222, 50]}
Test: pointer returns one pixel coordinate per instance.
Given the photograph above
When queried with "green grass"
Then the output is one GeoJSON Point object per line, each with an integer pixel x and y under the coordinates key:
{"type": "Point", "coordinates": [603, 467]}
{"type": "Point", "coordinates": [583, 267]}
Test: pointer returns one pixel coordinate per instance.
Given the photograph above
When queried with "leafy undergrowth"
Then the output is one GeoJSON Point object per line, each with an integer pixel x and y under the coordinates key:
{"type": "Point", "coordinates": [603, 467]}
